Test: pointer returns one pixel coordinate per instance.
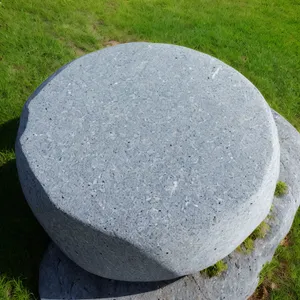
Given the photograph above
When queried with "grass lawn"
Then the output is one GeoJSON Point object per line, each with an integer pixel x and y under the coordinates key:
{"type": "Point", "coordinates": [260, 38]}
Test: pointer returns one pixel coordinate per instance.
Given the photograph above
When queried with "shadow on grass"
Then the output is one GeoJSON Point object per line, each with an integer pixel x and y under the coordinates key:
{"type": "Point", "coordinates": [8, 133]}
{"type": "Point", "coordinates": [22, 240]}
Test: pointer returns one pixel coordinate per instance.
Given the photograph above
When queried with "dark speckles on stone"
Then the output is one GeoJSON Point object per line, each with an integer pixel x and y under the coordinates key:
{"type": "Point", "coordinates": [172, 114]}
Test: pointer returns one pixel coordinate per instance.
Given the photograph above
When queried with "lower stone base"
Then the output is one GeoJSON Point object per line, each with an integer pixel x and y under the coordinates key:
{"type": "Point", "coordinates": [60, 278]}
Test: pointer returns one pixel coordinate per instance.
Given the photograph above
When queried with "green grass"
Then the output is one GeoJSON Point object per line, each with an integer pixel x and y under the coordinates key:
{"type": "Point", "coordinates": [281, 189]}
{"type": "Point", "coordinates": [260, 38]}
{"type": "Point", "coordinates": [215, 270]}
{"type": "Point", "coordinates": [280, 279]}
{"type": "Point", "coordinates": [13, 289]}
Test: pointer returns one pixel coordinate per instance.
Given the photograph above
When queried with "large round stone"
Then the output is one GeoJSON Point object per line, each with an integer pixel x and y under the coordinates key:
{"type": "Point", "coordinates": [147, 161]}
{"type": "Point", "coordinates": [60, 278]}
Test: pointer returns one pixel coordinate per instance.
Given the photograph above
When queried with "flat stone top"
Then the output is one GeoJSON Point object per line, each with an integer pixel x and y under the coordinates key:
{"type": "Point", "coordinates": [143, 139]}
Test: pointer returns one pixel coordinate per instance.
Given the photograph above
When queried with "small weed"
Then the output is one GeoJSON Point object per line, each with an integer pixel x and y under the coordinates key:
{"type": "Point", "coordinates": [216, 269]}
{"type": "Point", "coordinates": [281, 189]}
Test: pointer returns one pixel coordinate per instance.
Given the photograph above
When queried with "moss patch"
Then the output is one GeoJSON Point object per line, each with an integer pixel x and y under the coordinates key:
{"type": "Point", "coordinates": [281, 189]}
{"type": "Point", "coordinates": [216, 269]}
{"type": "Point", "coordinates": [259, 233]}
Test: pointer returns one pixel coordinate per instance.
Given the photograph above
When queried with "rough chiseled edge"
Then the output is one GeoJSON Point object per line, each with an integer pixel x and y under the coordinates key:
{"type": "Point", "coordinates": [60, 278]}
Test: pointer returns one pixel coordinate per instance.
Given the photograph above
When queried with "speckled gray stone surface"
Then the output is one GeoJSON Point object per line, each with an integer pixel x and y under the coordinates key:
{"type": "Point", "coordinates": [60, 278]}
{"type": "Point", "coordinates": [146, 162]}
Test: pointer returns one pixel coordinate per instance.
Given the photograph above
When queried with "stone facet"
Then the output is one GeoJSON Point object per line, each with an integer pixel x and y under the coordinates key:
{"type": "Point", "coordinates": [147, 162]}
